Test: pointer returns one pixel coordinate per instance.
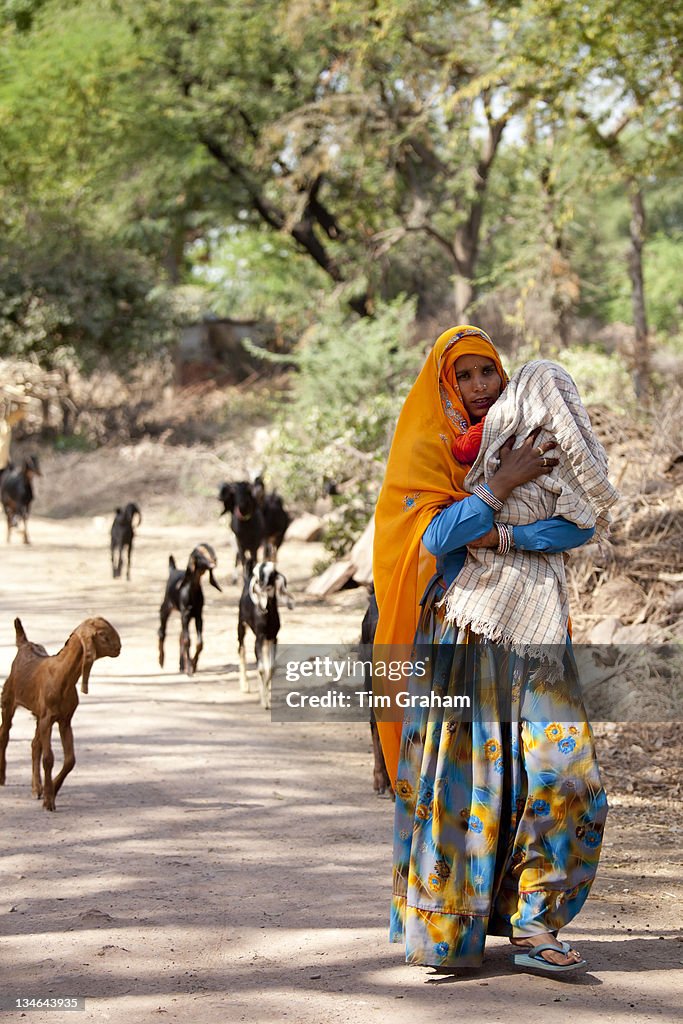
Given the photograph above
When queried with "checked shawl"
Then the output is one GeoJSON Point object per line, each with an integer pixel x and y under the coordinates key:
{"type": "Point", "coordinates": [520, 598]}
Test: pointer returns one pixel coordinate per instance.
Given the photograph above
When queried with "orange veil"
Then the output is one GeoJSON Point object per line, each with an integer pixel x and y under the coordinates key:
{"type": "Point", "coordinates": [422, 477]}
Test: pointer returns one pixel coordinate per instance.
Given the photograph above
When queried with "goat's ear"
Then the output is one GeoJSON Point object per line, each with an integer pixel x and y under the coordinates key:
{"type": "Point", "coordinates": [214, 582]}
{"type": "Point", "coordinates": [89, 658]}
{"type": "Point", "coordinates": [227, 496]}
{"type": "Point", "coordinates": [281, 587]}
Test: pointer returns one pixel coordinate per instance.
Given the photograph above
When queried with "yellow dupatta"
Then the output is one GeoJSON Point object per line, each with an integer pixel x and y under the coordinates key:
{"type": "Point", "coordinates": [421, 477]}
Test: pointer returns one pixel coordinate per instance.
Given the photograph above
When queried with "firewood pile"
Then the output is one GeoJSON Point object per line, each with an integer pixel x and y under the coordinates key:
{"type": "Point", "coordinates": [628, 592]}
{"type": "Point", "coordinates": [44, 393]}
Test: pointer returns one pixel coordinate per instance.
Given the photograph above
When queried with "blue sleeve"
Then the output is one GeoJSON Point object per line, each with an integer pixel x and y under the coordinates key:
{"type": "Point", "coordinates": [550, 535]}
{"type": "Point", "coordinates": [457, 525]}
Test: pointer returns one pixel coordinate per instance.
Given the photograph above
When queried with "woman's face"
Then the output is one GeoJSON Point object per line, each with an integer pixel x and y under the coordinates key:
{"type": "Point", "coordinates": [479, 383]}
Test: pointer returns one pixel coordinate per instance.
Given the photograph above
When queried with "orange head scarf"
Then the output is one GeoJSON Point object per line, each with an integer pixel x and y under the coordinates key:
{"type": "Point", "coordinates": [422, 477]}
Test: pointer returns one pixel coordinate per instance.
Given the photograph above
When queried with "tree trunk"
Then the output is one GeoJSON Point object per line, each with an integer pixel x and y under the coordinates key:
{"type": "Point", "coordinates": [463, 296]}
{"type": "Point", "coordinates": [467, 235]}
{"type": "Point", "coordinates": [174, 253]}
{"type": "Point", "coordinates": [641, 355]}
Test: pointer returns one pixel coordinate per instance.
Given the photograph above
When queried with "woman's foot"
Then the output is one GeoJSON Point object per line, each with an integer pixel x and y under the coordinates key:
{"type": "Point", "coordinates": [562, 955]}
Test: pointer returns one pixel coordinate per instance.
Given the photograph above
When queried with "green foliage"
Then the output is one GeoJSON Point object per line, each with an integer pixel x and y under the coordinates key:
{"type": "Point", "coordinates": [353, 376]}
{"type": "Point", "coordinates": [663, 272]}
{"type": "Point", "coordinates": [64, 292]}
{"type": "Point", "coordinates": [74, 443]}
{"type": "Point", "coordinates": [250, 273]}
{"type": "Point", "coordinates": [344, 361]}
{"type": "Point", "coordinates": [602, 379]}
{"type": "Point", "coordinates": [664, 282]}
{"type": "Point", "coordinates": [279, 150]}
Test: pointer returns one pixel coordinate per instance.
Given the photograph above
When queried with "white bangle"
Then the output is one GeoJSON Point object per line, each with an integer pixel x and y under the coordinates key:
{"type": "Point", "coordinates": [504, 539]}
{"type": "Point", "coordinates": [488, 497]}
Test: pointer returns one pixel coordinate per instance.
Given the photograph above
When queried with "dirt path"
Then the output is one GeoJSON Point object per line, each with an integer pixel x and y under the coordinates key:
{"type": "Point", "coordinates": [205, 864]}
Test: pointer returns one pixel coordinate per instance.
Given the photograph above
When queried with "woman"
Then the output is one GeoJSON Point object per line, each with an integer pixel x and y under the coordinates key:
{"type": "Point", "coordinates": [498, 819]}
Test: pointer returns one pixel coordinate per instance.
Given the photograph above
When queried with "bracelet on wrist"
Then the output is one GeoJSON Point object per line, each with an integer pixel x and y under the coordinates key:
{"type": "Point", "coordinates": [488, 497]}
{"type": "Point", "coordinates": [504, 539]}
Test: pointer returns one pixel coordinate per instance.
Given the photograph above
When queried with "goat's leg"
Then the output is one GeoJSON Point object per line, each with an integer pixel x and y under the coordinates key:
{"type": "Point", "coordinates": [130, 548]}
{"type": "Point", "coordinates": [45, 730]}
{"type": "Point", "coordinates": [36, 754]}
{"type": "Point", "coordinates": [185, 660]}
{"type": "Point", "coordinates": [164, 613]}
{"type": "Point", "coordinates": [244, 678]}
{"type": "Point", "coordinates": [265, 657]}
{"type": "Point", "coordinates": [67, 737]}
{"type": "Point", "coordinates": [24, 520]}
{"type": "Point", "coordinates": [7, 716]}
{"type": "Point", "coordinates": [199, 624]}
{"type": "Point", "coordinates": [113, 565]}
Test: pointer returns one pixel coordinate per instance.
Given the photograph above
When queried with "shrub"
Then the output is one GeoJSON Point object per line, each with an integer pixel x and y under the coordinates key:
{"type": "Point", "coordinates": [353, 375]}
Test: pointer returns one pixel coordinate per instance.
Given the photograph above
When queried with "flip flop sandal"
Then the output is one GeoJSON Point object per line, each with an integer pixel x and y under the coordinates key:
{"type": "Point", "coordinates": [566, 947]}
{"type": "Point", "coordinates": [536, 962]}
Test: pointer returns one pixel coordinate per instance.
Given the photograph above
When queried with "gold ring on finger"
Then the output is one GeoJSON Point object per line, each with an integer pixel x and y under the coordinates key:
{"type": "Point", "coordinates": [544, 462]}
{"type": "Point", "coordinates": [540, 449]}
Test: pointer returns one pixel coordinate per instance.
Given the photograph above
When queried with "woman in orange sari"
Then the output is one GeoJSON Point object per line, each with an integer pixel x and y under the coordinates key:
{"type": "Point", "coordinates": [476, 811]}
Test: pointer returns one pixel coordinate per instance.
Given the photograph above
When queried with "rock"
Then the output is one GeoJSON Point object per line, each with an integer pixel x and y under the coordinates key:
{"type": "Point", "coordinates": [306, 527]}
{"type": "Point", "coordinates": [361, 554]}
{"type": "Point", "coordinates": [358, 567]}
{"type": "Point", "coordinates": [639, 634]}
{"type": "Point", "coordinates": [331, 580]}
{"type": "Point", "coordinates": [620, 596]}
{"type": "Point", "coordinates": [95, 917]}
{"type": "Point", "coordinates": [603, 632]}
{"type": "Point", "coordinates": [675, 602]}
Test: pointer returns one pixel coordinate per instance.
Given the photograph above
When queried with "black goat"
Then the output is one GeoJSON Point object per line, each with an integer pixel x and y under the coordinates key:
{"type": "Point", "coordinates": [122, 533]}
{"type": "Point", "coordinates": [184, 593]}
{"type": "Point", "coordinates": [276, 519]}
{"type": "Point", "coordinates": [380, 776]}
{"type": "Point", "coordinates": [16, 493]}
{"type": "Point", "coordinates": [259, 611]}
{"type": "Point", "coordinates": [246, 522]}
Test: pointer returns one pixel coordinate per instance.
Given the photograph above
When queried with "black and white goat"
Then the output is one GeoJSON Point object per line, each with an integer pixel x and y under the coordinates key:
{"type": "Point", "coordinates": [122, 534]}
{"type": "Point", "coordinates": [184, 594]}
{"type": "Point", "coordinates": [16, 493]}
{"type": "Point", "coordinates": [258, 610]}
{"type": "Point", "coordinates": [246, 521]}
{"type": "Point", "coordinates": [380, 776]}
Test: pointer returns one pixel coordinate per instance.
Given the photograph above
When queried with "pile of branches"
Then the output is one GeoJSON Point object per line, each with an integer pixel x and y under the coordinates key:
{"type": "Point", "coordinates": [637, 574]}
{"type": "Point", "coordinates": [40, 391]}
{"type": "Point", "coordinates": [628, 591]}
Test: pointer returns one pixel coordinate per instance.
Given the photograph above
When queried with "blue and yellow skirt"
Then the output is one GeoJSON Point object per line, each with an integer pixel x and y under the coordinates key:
{"type": "Point", "coordinates": [500, 808]}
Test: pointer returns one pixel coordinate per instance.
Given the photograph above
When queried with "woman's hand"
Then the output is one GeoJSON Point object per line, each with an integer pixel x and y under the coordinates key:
{"type": "Point", "coordinates": [521, 465]}
{"type": "Point", "coordinates": [488, 540]}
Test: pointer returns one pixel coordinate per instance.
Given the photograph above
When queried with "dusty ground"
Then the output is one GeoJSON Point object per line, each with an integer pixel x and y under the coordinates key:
{"type": "Point", "coordinates": [205, 864]}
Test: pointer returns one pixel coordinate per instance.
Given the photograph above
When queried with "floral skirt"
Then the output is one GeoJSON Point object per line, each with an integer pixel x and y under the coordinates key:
{"type": "Point", "coordinates": [500, 809]}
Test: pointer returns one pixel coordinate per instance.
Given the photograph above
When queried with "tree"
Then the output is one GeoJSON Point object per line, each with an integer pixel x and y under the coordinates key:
{"type": "Point", "coordinates": [618, 74]}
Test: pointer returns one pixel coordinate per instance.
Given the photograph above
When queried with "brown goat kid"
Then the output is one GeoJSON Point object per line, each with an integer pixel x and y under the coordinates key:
{"type": "Point", "coordinates": [47, 686]}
